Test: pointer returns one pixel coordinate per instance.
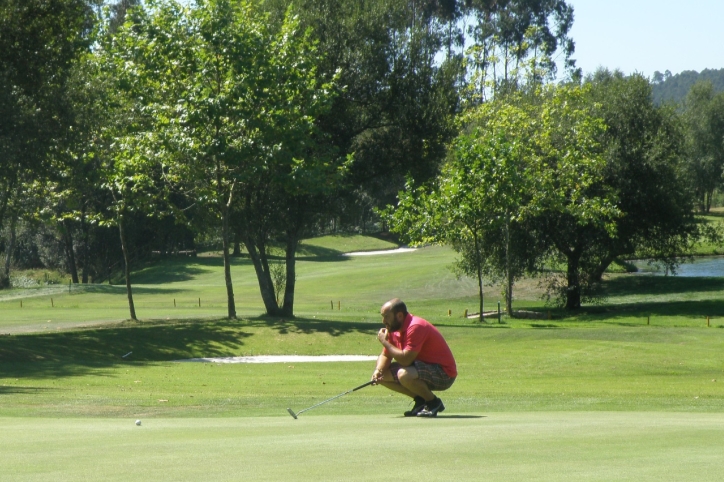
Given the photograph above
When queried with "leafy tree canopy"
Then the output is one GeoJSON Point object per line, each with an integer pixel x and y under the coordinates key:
{"type": "Point", "coordinates": [673, 88]}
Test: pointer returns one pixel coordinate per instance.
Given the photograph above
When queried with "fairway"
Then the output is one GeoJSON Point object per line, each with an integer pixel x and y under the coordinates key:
{"type": "Point", "coordinates": [551, 446]}
{"type": "Point", "coordinates": [625, 390]}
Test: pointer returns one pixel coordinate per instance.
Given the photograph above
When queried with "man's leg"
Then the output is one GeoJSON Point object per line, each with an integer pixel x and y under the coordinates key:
{"type": "Point", "coordinates": [410, 380]}
{"type": "Point", "coordinates": [434, 377]}
{"type": "Point", "coordinates": [391, 382]}
{"type": "Point", "coordinates": [405, 380]}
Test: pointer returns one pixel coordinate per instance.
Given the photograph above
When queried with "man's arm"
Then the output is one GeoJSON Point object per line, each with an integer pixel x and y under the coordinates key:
{"type": "Point", "coordinates": [403, 357]}
{"type": "Point", "coordinates": [383, 364]}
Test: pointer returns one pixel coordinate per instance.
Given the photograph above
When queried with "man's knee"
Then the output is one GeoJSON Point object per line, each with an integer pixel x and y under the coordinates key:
{"type": "Point", "coordinates": [407, 374]}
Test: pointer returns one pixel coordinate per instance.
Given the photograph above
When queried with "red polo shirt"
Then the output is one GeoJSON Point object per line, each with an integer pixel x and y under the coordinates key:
{"type": "Point", "coordinates": [419, 335]}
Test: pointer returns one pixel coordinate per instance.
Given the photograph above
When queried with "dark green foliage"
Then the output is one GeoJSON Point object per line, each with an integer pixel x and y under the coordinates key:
{"type": "Point", "coordinates": [395, 107]}
{"type": "Point", "coordinates": [704, 120]}
{"type": "Point", "coordinates": [643, 146]}
{"type": "Point", "coordinates": [39, 40]}
{"type": "Point", "coordinates": [668, 88]}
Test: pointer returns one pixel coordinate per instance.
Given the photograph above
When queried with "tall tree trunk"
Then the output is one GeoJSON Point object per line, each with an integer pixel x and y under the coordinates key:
{"type": "Point", "coordinates": [4, 200]}
{"type": "Point", "coordinates": [225, 205]}
{"type": "Point", "coordinates": [86, 238]}
{"type": "Point", "coordinates": [237, 247]}
{"type": "Point", "coordinates": [5, 275]}
{"type": "Point", "coordinates": [231, 304]}
{"type": "Point", "coordinates": [597, 274]}
{"type": "Point", "coordinates": [508, 273]}
{"type": "Point", "coordinates": [69, 251]}
{"type": "Point", "coordinates": [4, 203]}
{"type": "Point", "coordinates": [266, 285]}
{"type": "Point", "coordinates": [291, 251]}
{"type": "Point", "coordinates": [573, 277]}
{"type": "Point", "coordinates": [126, 268]}
{"type": "Point", "coordinates": [479, 268]}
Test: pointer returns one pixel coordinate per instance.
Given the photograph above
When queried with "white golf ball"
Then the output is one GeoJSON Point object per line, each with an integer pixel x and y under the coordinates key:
{"type": "Point", "coordinates": [138, 422]}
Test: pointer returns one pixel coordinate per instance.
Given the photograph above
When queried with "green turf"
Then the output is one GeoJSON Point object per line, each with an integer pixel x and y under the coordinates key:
{"type": "Point", "coordinates": [496, 447]}
{"type": "Point", "coordinates": [600, 367]}
{"type": "Point", "coordinates": [625, 390]}
{"type": "Point", "coordinates": [347, 288]}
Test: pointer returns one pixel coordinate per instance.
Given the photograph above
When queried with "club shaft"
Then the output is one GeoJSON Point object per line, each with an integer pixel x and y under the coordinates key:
{"type": "Point", "coordinates": [335, 397]}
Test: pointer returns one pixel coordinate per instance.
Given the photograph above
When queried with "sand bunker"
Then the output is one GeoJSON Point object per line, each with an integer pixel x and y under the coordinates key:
{"type": "Point", "coordinates": [284, 359]}
{"type": "Point", "coordinates": [386, 251]}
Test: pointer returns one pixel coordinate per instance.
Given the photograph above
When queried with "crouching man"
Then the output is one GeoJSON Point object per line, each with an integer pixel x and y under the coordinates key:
{"type": "Point", "coordinates": [415, 360]}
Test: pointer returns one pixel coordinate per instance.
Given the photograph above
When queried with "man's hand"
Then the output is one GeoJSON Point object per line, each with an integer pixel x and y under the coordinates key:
{"type": "Point", "coordinates": [377, 376]}
{"type": "Point", "coordinates": [382, 335]}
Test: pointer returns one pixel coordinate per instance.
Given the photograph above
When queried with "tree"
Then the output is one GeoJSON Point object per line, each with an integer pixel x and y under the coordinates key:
{"type": "Point", "coordinates": [39, 39]}
{"type": "Point", "coordinates": [395, 101]}
{"type": "Point", "coordinates": [121, 142]}
{"type": "Point", "coordinates": [231, 100]}
{"type": "Point", "coordinates": [704, 120]}
{"type": "Point", "coordinates": [577, 203]}
{"type": "Point", "coordinates": [673, 89]}
{"type": "Point", "coordinates": [73, 194]}
{"type": "Point", "coordinates": [118, 13]}
{"type": "Point", "coordinates": [519, 159]}
{"type": "Point", "coordinates": [643, 145]}
{"type": "Point", "coordinates": [514, 42]}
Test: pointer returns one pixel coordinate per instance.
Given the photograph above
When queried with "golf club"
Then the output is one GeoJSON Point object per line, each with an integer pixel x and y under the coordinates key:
{"type": "Point", "coordinates": [295, 415]}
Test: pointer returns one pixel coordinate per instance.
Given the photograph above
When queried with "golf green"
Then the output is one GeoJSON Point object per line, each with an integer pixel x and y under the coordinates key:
{"type": "Point", "coordinates": [503, 446]}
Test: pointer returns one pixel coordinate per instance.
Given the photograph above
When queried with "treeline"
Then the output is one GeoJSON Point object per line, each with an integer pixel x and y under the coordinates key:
{"type": "Point", "coordinates": [674, 88]}
{"type": "Point", "coordinates": [157, 126]}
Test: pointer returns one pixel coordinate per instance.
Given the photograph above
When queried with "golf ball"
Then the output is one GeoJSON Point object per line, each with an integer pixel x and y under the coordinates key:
{"type": "Point", "coordinates": [138, 422]}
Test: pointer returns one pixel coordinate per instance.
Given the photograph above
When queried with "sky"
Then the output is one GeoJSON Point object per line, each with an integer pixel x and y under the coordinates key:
{"type": "Point", "coordinates": [648, 35]}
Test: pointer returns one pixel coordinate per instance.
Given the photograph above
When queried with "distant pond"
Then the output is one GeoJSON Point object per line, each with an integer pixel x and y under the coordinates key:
{"type": "Point", "coordinates": [704, 266]}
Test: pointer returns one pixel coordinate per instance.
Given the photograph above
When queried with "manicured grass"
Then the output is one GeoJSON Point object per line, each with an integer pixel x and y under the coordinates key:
{"type": "Point", "coordinates": [601, 367]}
{"type": "Point", "coordinates": [625, 390]}
{"type": "Point", "coordinates": [348, 289]}
{"type": "Point", "coordinates": [509, 447]}
{"type": "Point", "coordinates": [343, 243]}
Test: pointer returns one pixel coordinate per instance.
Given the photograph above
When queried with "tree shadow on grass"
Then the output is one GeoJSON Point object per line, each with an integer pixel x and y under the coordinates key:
{"type": "Point", "coordinates": [622, 314]}
{"type": "Point", "coordinates": [186, 269]}
{"type": "Point", "coordinates": [310, 251]}
{"type": "Point", "coordinates": [660, 285]}
{"type": "Point", "coordinates": [75, 353]}
{"type": "Point", "coordinates": [6, 390]}
{"type": "Point", "coordinates": [324, 259]}
{"type": "Point", "coordinates": [182, 269]}
{"type": "Point", "coordinates": [118, 290]}
{"type": "Point", "coordinates": [310, 326]}
{"type": "Point", "coordinates": [83, 351]}
{"type": "Point", "coordinates": [687, 309]}
{"type": "Point", "coordinates": [657, 288]}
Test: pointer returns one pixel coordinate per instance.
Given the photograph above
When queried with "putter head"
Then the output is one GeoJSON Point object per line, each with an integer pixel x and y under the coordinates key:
{"type": "Point", "coordinates": [292, 413]}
